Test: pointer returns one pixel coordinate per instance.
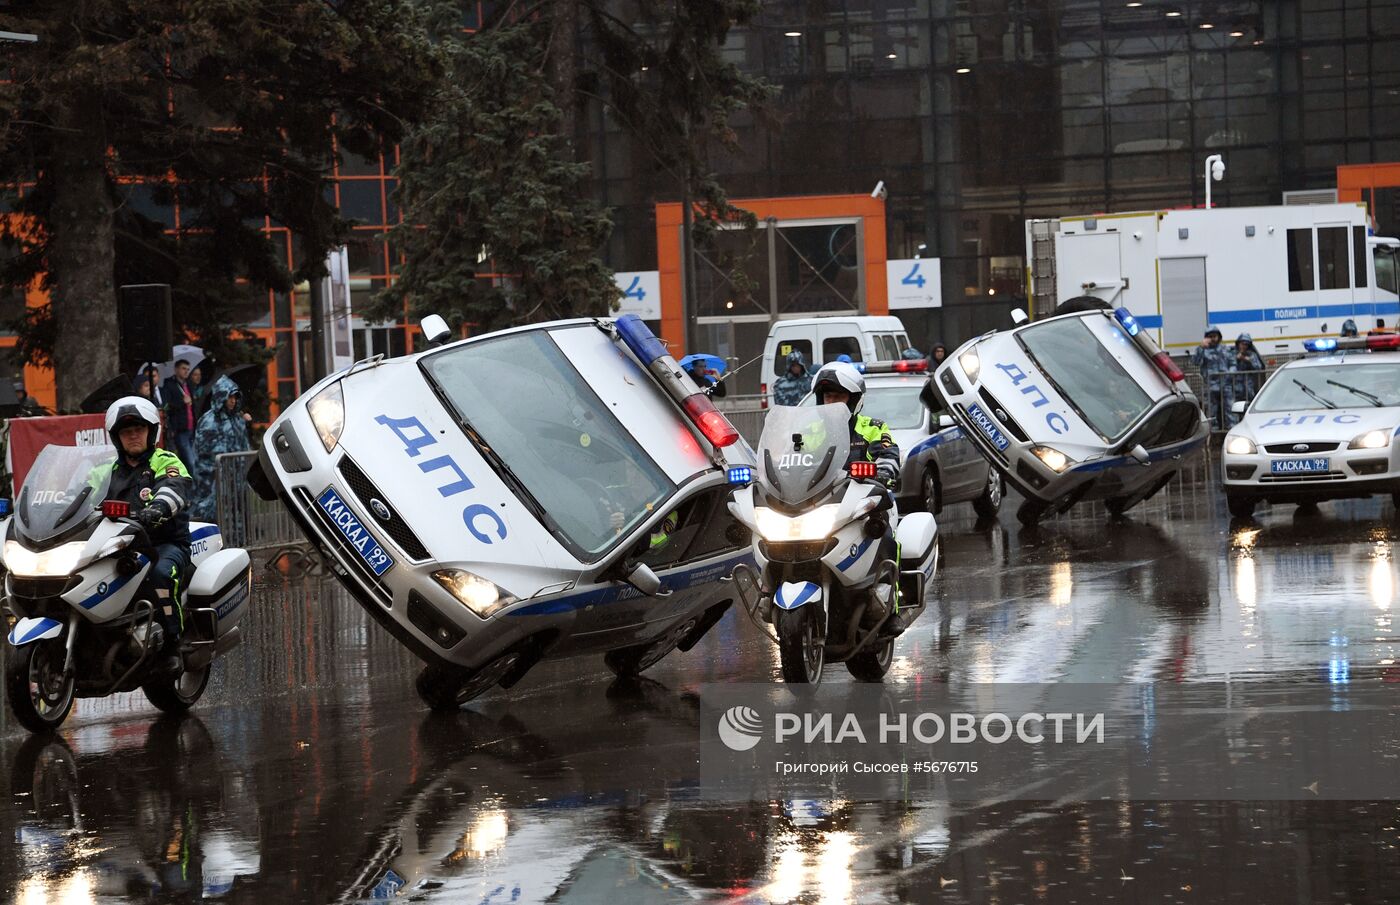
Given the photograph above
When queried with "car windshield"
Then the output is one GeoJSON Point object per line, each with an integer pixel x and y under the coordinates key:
{"type": "Point", "coordinates": [64, 485]}
{"type": "Point", "coordinates": [536, 417]}
{"type": "Point", "coordinates": [1331, 386]}
{"type": "Point", "coordinates": [1086, 374]}
{"type": "Point", "coordinates": [896, 404]}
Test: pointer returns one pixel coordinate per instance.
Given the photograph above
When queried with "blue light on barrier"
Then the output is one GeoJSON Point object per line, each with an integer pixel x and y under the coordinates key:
{"type": "Point", "coordinates": [639, 339]}
{"type": "Point", "coordinates": [741, 474]}
{"type": "Point", "coordinates": [1125, 317]}
{"type": "Point", "coordinates": [1319, 345]}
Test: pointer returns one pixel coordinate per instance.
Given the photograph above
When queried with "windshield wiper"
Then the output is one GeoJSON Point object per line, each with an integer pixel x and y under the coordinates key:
{"type": "Point", "coordinates": [1313, 393]}
{"type": "Point", "coordinates": [1369, 397]}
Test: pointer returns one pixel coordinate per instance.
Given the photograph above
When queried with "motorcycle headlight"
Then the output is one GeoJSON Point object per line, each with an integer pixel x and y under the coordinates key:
{"type": "Point", "coordinates": [1054, 460]}
{"type": "Point", "coordinates": [26, 563]}
{"type": "Point", "coordinates": [971, 364]}
{"type": "Point", "coordinates": [815, 525]}
{"type": "Point", "coordinates": [475, 593]}
{"type": "Point", "coordinates": [327, 411]}
{"type": "Point", "coordinates": [1371, 440]}
{"type": "Point", "coordinates": [1238, 445]}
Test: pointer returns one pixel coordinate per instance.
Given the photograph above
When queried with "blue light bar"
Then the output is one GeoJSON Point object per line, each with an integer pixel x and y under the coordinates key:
{"type": "Point", "coordinates": [1319, 345]}
{"type": "Point", "coordinates": [639, 339]}
{"type": "Point", "coordinates": [1126, 319]}
{"type": "Point", "coordinates": [859, 366]}
{"type": "Point", "coordinates": [741, 474]}
{"type": "Point", "coordinates": [4, 507]}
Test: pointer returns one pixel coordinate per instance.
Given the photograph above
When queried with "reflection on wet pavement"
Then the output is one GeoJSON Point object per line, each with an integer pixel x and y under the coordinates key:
{"type": "Point", "coordinates": [310, 772]}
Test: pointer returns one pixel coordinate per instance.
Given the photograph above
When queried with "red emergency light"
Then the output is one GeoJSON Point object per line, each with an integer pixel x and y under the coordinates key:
{"type": "Point", "coordinates": [116, 509]}
{"type": "Point", "coordinates": [710, 420]}
{"type": "Point", "coordinates": [902, 366]}
{"type": "Point", "coordinates": [1168, 367]}
{"type": "Point", "coordinates": [1383, 341]}
{"type": "Point", "coordinates": [862, 469]}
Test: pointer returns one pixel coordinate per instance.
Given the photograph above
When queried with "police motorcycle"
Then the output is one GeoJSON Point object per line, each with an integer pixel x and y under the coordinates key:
{"type": "Point", "coordinates": [819, 579]}
{"type": "Point", "coordinates": [74, 565]}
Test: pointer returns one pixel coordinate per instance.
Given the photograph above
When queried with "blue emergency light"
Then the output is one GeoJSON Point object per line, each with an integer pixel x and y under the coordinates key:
{"type": "Point", "coordinates": [1319, 345]}
{"type": "Point", "coordinates": [639, 339]}
{"type": "Point", "coordinates": [4, 508]}
{"type": "Point", "coordinates": [741, 474]}
{"type": "Point", "coordinates": [1126, 320]}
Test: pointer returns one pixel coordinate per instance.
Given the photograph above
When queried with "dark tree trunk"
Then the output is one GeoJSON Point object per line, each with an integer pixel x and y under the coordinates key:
{"type": "Point", "coordinates": [81, 261]}
{"type": "Point", "coordinates": [563, 66]}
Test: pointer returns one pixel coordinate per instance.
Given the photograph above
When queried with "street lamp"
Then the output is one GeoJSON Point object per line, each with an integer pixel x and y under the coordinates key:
{"type": "Point", "coordinates": [1215, 169]}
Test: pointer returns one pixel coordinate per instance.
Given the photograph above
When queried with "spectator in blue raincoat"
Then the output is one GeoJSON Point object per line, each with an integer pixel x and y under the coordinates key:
{"type": "Point", "coordinates": [1215, 363]}
{"type": "Point", "coordinates": [795, 383]}
{"type": "Point", "coordinates": [1249, 368]}
{"type": "Point", "coordinates": [222, 429]}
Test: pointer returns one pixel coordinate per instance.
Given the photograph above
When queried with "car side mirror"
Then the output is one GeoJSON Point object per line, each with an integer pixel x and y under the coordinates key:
{"type": "Point", "coordinates": [641, 577]}
{"type": "Point", "coordinates": [1139, 454]}
{"type": "Point", "coordinates": [1019, 316]}
{"type": "Point", "coordinates": [1238, 407]}
{"type": "Point", "coordinates": [927, 397]}
{"type": "Point", "coordinates": [946, 421]}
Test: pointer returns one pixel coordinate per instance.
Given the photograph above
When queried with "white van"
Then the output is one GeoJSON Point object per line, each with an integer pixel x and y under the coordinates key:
{"type": "Point", "coordinates": [822, 339]}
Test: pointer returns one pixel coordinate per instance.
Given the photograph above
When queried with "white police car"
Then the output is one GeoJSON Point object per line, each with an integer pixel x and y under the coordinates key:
{"type": "Point", "coordinates": [1074, 407]}
{"type": "Point", "coordinates": [939, 466]}
{"type": "Point", "coordinates": [542, 492]}
{"type": "Point", "coordinates": [1322, 427]}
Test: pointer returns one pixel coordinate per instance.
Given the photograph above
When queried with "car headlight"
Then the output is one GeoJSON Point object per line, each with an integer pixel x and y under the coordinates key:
{"type": "Point", "coordinates": [61, 560]}
{"type": "Point", "coordinates": [1054, 460]}
{"type": "Point", "coordinates": [815, 525]}
{"type": "Point", "coordinates": [475, 593]}
{"type": "Point", "coordinates": [1240, 445]}
{"type": "Point", "coordinates": [327, 411]}
{"type": "Point", "coordinates": [971, 364]}
{"type": "Point", "coordinates": [1371, 440]}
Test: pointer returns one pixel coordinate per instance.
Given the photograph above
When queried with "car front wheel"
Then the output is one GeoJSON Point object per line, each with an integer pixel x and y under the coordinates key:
{"type": "Point", "coordinates": [989, 503]}
{"type": "Point", "coordinates": [1241, 506]}
{"type": "Point", "coordinates": [931, 493]}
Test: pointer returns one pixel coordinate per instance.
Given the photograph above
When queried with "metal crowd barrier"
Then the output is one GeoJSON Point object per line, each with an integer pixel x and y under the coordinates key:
{"type": "Point", "coordinates": [246, 519]}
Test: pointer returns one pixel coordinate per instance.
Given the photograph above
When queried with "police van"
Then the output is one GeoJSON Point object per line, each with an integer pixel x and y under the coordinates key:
{"type": "Point", "coordinates": [1283, 274]}
{"type": "Point", "coordinates": [821, 340]}
{"type": "Point", "coordinates": [1080, 406]}
{"type": "Point", "coordinates": [541, 492]}
{"type": "Point", "coordinates": [1323, 427]}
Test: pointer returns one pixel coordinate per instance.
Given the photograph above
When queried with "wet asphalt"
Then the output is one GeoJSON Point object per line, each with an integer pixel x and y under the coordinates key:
{"type": "Point", "coordinates": [310, 772]}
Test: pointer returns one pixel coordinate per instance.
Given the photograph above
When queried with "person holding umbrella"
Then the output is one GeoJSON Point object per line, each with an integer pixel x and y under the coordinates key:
{"type": "Point", "coordinates": [699, 368]}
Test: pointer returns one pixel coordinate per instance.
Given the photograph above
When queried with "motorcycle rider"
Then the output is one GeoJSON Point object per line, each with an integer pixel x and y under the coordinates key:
{"type": "Point", "coordinates": [157, 486]}
{"type": "Point", "coordinates": [871, 441]}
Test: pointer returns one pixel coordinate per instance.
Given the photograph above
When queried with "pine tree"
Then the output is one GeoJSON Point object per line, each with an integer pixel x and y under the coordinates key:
{"type": "Point", "coordinates": [233, 107]}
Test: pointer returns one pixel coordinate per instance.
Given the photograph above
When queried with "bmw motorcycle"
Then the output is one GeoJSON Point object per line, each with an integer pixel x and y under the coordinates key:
{"type": "Point", "coordinates": [819, 579]}
{"type": "Point", "coordinates": [74, 567]}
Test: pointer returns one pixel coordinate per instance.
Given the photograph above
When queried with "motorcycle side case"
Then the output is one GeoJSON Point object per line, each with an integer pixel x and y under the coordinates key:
{"type": "Point", "coordinates": [916, 533]}
{"type": "Point", "coordinates": [223, 582]}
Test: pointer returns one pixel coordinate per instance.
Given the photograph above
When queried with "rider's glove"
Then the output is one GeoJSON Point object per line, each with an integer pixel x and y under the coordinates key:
{"type": "Point", "coordinates": [153, 515]}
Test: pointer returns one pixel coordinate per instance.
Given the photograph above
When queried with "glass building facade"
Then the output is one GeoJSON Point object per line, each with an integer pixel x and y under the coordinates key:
{"type": "Point", "coordinates": [981, 114]}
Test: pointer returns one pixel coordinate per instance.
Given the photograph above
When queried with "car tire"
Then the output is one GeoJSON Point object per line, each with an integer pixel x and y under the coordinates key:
{"type": "Point", "coordinates": [1031, 511]}
{"type": "Point", "coordinates": [989, 503]}
{"type": "Point", "coordinates": [871, 665]}
{"type": "Point", "coordinates": [1240, 506]}
{"type": "Point", "coordinates": [446, 688]}
{"type": "Point", "coordinates": [930, 493]}
{"type": "Point", "coordinates": [630, 662]}
{"type": "Point", "coordinates": [1082, 303]}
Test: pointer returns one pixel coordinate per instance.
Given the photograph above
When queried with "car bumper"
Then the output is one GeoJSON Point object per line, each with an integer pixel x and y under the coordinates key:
{"type": "Point", "coordinates": [1350, 473]}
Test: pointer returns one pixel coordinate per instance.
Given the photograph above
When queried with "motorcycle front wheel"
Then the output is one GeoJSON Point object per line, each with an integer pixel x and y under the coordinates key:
{"type": "Point", "coordinates": [801, 644]}
{"type": "Point", "coordinates": [41, 697]}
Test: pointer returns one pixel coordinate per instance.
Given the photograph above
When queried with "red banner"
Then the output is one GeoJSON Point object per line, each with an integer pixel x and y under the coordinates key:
{"type": "Point", "coordinates": [29, 436]}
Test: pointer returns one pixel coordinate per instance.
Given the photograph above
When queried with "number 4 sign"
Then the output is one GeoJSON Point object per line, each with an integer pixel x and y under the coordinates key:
{"type": "Point", "coordinates": [914, 283]}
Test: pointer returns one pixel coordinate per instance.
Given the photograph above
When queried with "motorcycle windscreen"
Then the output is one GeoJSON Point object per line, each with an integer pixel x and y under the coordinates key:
{"type": "Point", "coordinates": [803, 450]}
{"type": "Point", "coordinates": [65, 485]}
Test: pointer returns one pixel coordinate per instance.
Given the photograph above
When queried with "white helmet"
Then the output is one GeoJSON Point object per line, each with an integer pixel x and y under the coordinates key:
{"type": "Point", "coordinates": [130, 410]}
{"type": "Point", "coordinates": [840, 375]}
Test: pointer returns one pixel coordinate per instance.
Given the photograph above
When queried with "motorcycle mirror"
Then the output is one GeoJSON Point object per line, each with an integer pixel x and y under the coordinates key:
{"type": "Point", "coordinates": [643, 579]}
{"type": "Point", "coordinates": [1238, 407]}
{"type": "Point", "coordinates": [1139, 454]}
